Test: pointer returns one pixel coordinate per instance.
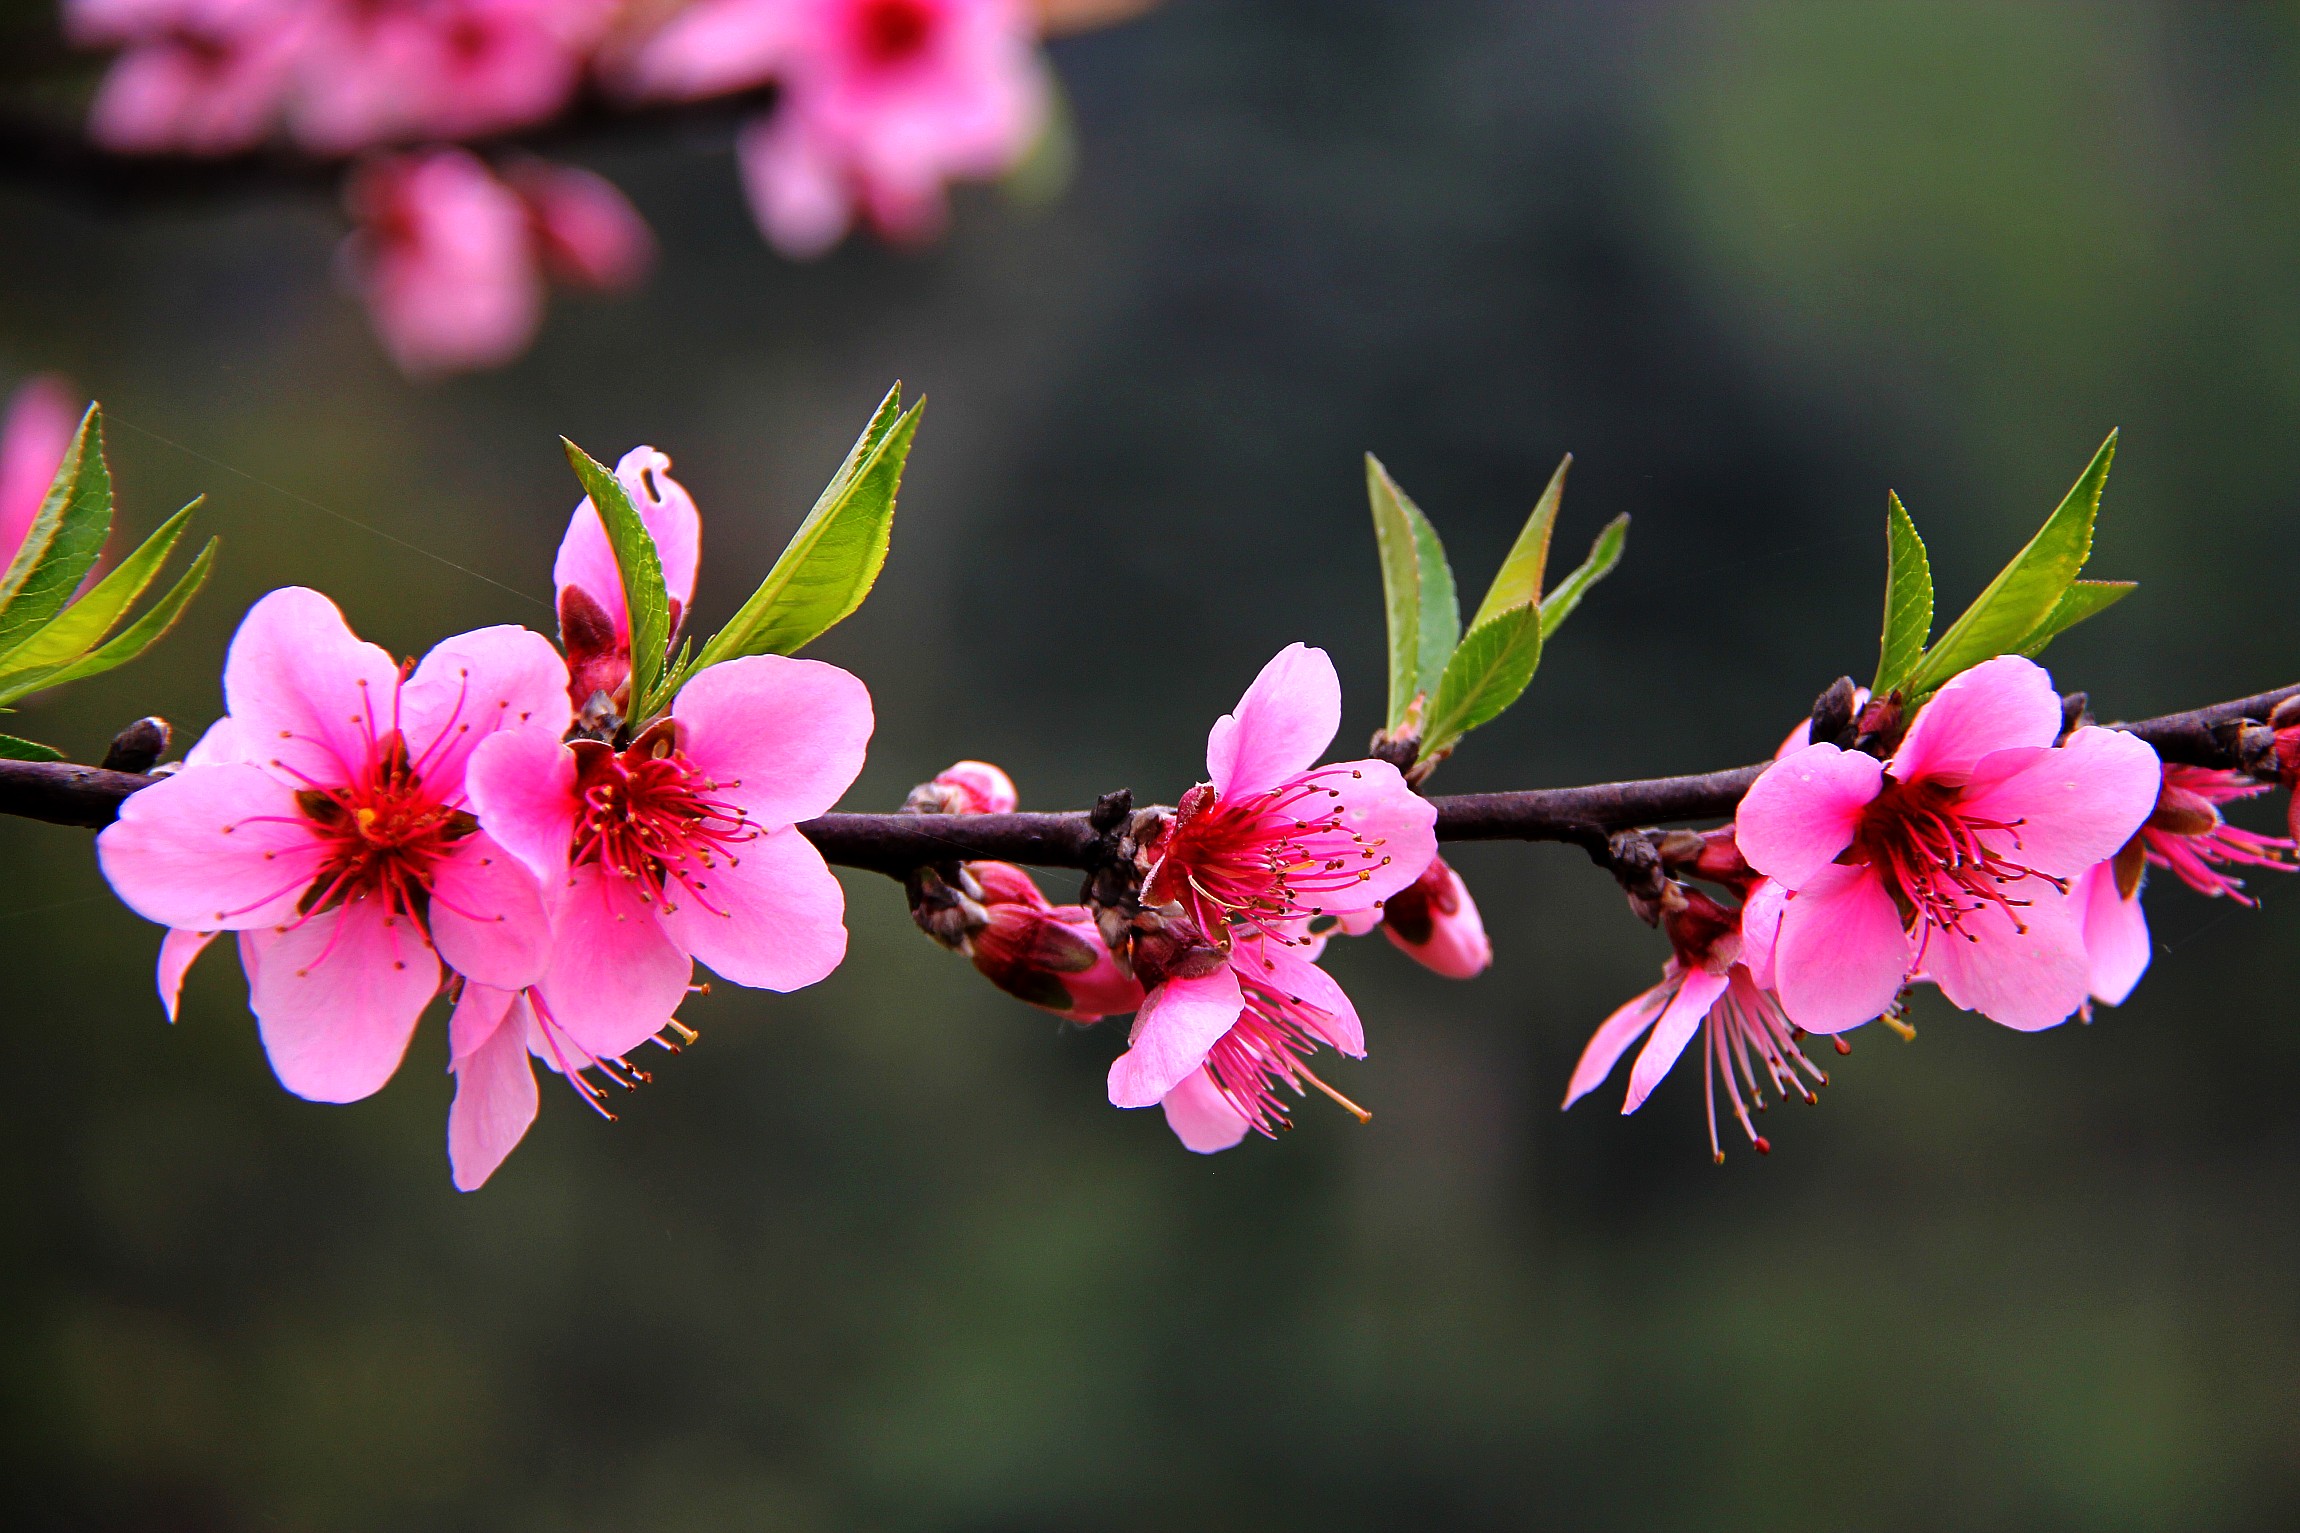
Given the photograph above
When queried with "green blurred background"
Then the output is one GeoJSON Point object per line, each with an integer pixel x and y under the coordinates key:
{"type": "Point", "coordinates": [878, 1255]}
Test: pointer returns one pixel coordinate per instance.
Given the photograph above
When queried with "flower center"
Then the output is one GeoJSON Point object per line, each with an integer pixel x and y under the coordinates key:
{"type": "Point", "coordinates": [382, 835]}
{"type": "Point", "coordinates": [891, 32]}
{"type": "Point", "coordinates": [1262, 859]}
{"type": "Point", "coordinates": [1941, 864]}
{"type": "Point", "coordinates": [652, 817]}
{"type": "Point", "coordinates": [1270, 1044]}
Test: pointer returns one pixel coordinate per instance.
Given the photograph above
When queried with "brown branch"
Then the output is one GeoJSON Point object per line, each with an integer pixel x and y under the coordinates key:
{"type": "Point", "coordinates": [2214, 736]}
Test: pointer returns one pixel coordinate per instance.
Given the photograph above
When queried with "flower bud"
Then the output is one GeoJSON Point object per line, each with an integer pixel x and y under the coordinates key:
{"type": "Point", "coordinates": [1434, 922]}
{"type": "Point", "coordinates": [968, 787]}
{"type": "Point", "coordinates": [1051, 956]}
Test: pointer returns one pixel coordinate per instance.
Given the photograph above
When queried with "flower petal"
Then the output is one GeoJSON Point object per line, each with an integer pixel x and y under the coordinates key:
{"type": "Point", "coordinates": [2074, 806]}
{"type": "Point", "coordinates": [1388, 832]}
{"type": "Point", "coordinates": [1287, 972]}
{"type": "Point", "coordinates": [1842, 954]}
{"type": "Point", "coordinates": [2028, 980]}
{"type": "Point", "coordinates": [1796, 818]}
{"type": "Point", "coordinates": [2115, 934]}
{"type": "Point", "coordinates": [338, 997]}
{"type": "Point", "coordinates": [221, 743]}
{"type": "Point", "coordinates": [1676, 1026]}
{"type": "Point", "coordinates": [1615, 1034]}
{"type": "Point", "coordinates": [668, 513]}
{"type": "Point", "coordinates": [773, 918]}
{"type": "Point", "coordinates": [784, 738]}
{"type": "Point", "coordinates": [310, 697]}
{"type": "Point", "coordinates": [219, 847]}
{"type": "Point", "coordinates": [487, 915]}
{"type": "Point", "coordinates": [2000, 704]}
{"type": "Point", "coordinates": [495, 1096]}
{"type": "Point", "coordinates": [1280, 727]}
{"type": "Point", "coordinates": [177, 950]}
{"type": "Point", "coordinates": [1201, 1117]}
{"type": "Point", "coordinates": [615, 976]}
{"type": "Point", "coordinates": [1761, 929]}
{"type": "Point", "coordinates": [472, 686]}
{"type": "Point", "coordinates": [1179, 1022]}
{"type": "Point", "coordinates": [521, 783]}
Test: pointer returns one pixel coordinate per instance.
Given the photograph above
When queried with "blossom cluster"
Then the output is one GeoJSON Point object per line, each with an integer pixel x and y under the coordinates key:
{"type": "Point", "coordinates": [877, 106]}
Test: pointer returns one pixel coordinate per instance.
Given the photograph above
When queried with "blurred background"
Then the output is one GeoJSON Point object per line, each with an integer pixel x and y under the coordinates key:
{"type": "Point", "coordinates": [879, 1255]}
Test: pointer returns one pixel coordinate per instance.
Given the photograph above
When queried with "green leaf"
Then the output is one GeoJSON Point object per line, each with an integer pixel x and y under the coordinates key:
{"type": "Point", "coordinates": [13, 749]}
{"type": "Point", "coordinates": [1417, 589]}
{"type": "Point", "coordinates": [1908, 599]}
{"type": "Point", "coordinates": [146, 631]}
{"type": "Point", "coordinates": [1527, 565]}
{"type": "Point", "coordinates": [644, 596]}
{"type": "Point", "coordinates": [2086, 598]}
{"type": "Point", "coordinates": [1604, 554]}
{"type": "Point", "coordinates": [2024, 594]}
{"type": "Point", "coordinates": [835, 556]}
{"type": "Point", "coordinates": [81, 626]}
{"type": "Point", "coordinates": [64, 539]}
{"type": "Point", "coordinates": [1487, 673]}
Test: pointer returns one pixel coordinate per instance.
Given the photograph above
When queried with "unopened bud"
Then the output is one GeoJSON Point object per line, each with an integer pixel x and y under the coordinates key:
{"type": "Point", "coordinates": [967, 787]}
{"type": "Point", "coordinates": [135, 748]}
{"type": "Point", "coordinates": [1434, 922]}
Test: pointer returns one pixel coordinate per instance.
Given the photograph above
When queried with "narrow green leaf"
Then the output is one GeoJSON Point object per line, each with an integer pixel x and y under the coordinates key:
{"type": "Point", "coordinates": [1401, 586]}
{"type": "Point", "coordinates": [13, 749]}
{"type": "Point", "coordinates": [641, 566]}
{"type": "Point", "coordinates": [1527, 565]}
{"type": "Point", "coordinates": [1487, 673]}
{"type": "Point", "coordinates": [81, 626]}
{"type": "Point", "coordinates": [1908, 599]}
{"type": "Point", "coordinates": [146, 631]}
{"type": "Point", "coordinates": [2024, 594]}
{"type": "Point", "coordinates": [836, 555]}
{"type": "Point", "coordinates": [2086, 598]}
{"type": "Point", "coordinates": [1440, 626]}
{"type": "Point", "coordinates": [64, 539]}
{"type": "Point", "coordinates": [1604, 554]}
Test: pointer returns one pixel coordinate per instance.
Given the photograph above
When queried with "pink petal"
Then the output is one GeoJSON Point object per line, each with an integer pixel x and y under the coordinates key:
{"type": "Point", "coordinates": [615, 976]}
{"type": "Point", "coordinates": [2000, 704]}
{"type": "Point", "coordinates": [1201, 1117]}
{"type": "Point", "coordinates": [177, 950]}
{"type": "Point", "coordinates": [310, 698]}
{"type": "Point", "coordinates": [495, 1096]}
{"type": "Point", "coordinates": [1761, 929]}
{"type": "Point", "coordinates": [1280, 727]}
{"type": "Point", "coordinates": [472, 686]}
{"type": "Point", "coordinates": [1675, 1028]}
{"type": "Point", "coordinates": [799, 198]}
{"type": "Point", "coordinates": [1179, 1022]}
{"type": "Point", "coordinates": [773, 918]}
{"type": "Point", "coordinates": [784, 738]}
{"type": "Point", "coordinates": [1287, 972]}
{"type": "Point", "coordinates": [222, 742]}
{"type": "Point", "coordinates": [521, 784]}
{"type": "Point", "coordinates": [1616, 1033]}
{"type": "Point", "coordinates": [487, 916]}
{"type": "Point", "coordinates": [32, 444]}
{"type": "Point", "coordinates": [338, 997]}
{"type": "Point", "coordinates": [444, 257]}
{"type": "Point", "coordinates": [211, 848]}
{"type": "Point", "coordinates": [586, 560]}
{"type": "Point", "coordinates": [1796, 818]}
{"type": "Point", "coordinates": [982, 788]}
{"type": "Point", "coordinates": [586, 230]}
{"type": "Point", "coordinates": [1388, 831]}
{"type": "Point", "coordinates": [2027, 981]}
{"type": "Point", "coordinates": [2115, 934]}
{"type": "Point", "coordinates": [2074, 806]}
{"type": "Point", "coordinates": [715, 48]}
{"type": "Point", "coordinates": [1842, 953]}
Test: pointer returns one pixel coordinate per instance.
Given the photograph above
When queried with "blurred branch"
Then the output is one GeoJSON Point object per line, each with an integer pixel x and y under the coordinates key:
{"type": "Point", "coordinates": [2223, 735]}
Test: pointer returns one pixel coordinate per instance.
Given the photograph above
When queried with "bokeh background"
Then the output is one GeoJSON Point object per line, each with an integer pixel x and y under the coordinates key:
{"type": "Point", "coordinates": [879, 1255]}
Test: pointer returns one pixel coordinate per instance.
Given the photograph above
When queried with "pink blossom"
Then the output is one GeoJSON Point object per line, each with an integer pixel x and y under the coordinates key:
{"type": "Point", "coordinates": [197, 76]}
{"type": "Point", "coordinates": [1434, 922]}
{"type": "Point", "coordinates": [586, 232]}
{"type": "Point", "coordinates": [1236, 1003]}
{"type": "Point", "coordinates": [975, 787]}
{"type": "Point", "coordinates": [1718, 983]}
{"type": "Point", "coordinates": [325, 822]}
{"type": "Point", "coordinates": [594, 621]}
{"type": "Point", "coordinates": [1954, 858]}
{"type": "Point", "coordinates": [2185, 834]}
{"type": "Point", "coordinates": [33, 442]}
{"type": "Point", "coordinates": [883, 102]}
{"type": "Point", "coordinates": [444, 257]}
{"type": "Point", "coordinates": [681, 846]}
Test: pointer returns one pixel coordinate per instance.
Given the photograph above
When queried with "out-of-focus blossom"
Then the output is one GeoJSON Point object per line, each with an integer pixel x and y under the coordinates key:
{"type": "Point", "coordinates": [450, 259]}
{"type": "Point", "coordinates": [1231, 882]}
{"type": "Point", "coordinates": [1954, 859]}
{"type": "Point", "coordinates": [1717, 982]}
{"type": "Point", "coordinates": [1434, 921]}
{"type": "Point", "coordinates": [882, 103]}
{"type": "Point", "coordinates": [33, 441]}
{"type": "Point", "coordinates": [2185, 834]}
{"type": "Point", "coordinates": [327, 825]}
{"type": "Point", "coordinates": [199, 77]}
{"type": "Point", "coordinates": [594, 621]}
{"type": "Point", "coordinates": [681, 847]}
